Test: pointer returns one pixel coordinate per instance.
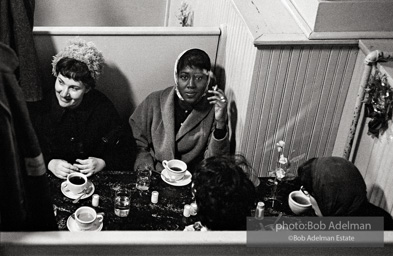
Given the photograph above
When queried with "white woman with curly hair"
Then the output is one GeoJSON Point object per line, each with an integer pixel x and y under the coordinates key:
{"type": "Point", "coordinates": [78, 127]}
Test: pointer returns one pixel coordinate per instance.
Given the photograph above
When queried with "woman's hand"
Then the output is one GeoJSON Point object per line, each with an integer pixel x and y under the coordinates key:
{"type": "Point", "coordinates": [90, 166]}
{"type": "Point", "coordinates": [219, 100]}
{"type": "Point", "coordinates": [61, 168]}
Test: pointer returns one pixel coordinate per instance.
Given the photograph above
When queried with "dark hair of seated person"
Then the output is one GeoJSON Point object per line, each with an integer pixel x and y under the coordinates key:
{"type": "Point", "coordinates": [339, 189]}
{"type": "Point", "coordinates": [223, 192]}
{"type": "Point", "coordinates": [194, 58]}
{"type": "Point", "coordinates": [76, 70]}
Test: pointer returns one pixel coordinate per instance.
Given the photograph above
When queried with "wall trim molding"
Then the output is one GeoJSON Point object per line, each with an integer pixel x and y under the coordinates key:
{"type": "Point", "coordinates": [351, 35]}
{"type": "Point", "coordinates": [299, 39]}
{"type": "Point", "coordinates": [118, 31]}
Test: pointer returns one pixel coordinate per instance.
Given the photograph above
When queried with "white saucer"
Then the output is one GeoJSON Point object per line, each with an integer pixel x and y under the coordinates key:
{"type": "Point", "coordinates": [71, 195]}
{"type": "Point", "coordinates": [73, 226]}
{"type": "Point", "coordinates": [184, 181]}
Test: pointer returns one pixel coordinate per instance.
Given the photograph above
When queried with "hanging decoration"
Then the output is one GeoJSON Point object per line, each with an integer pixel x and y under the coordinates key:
{"type": "Point", "coordinates": [185, 14]}
{"type": "Point", "coordinates": [378, 103]}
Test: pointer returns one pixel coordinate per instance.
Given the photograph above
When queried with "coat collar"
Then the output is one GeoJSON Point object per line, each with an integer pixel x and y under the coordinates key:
{"type": "Point", "coordinates": [199, 113]}
{"type": "Point", "coordinates": [82, 111]}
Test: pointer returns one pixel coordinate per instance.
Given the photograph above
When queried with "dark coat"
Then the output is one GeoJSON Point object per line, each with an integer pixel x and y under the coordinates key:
{"type": "Point", "coordinates": [93, 129]}
{"type": "Point", "coordinates": [25, 203]}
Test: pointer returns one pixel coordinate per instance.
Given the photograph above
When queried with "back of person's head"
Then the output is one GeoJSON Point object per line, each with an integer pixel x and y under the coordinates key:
{"type": "Point", "coordinates": [76, 70]}
{"type": "Point", "coordinates": [194, 58]}
{"type": "Point", "coordinates": [223, 192]}
{"type": "Point", "coordinates": [335, 183]}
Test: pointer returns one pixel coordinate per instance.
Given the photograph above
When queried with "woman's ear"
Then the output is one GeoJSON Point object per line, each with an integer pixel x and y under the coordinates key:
{"type": "Point", "coordinates": [315, 206]}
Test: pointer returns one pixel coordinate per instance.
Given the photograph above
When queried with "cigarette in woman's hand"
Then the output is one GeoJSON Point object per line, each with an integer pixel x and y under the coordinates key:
{"type": "Point", "coordinates": [215, 88]}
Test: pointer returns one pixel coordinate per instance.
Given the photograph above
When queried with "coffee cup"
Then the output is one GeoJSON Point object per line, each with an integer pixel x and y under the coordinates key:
{"type": "Point", "coordinates": [299, 202]}
{"type": "Point", "coordinates": [86, 217]}
{"type": "Point", "coordinates": [76, 182]}
{"type": "Point", "coordinates": [175, 168]}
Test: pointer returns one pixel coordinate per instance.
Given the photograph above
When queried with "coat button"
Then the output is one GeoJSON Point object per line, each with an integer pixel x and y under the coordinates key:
{"type": "Point", "coordinates": [72, 139]}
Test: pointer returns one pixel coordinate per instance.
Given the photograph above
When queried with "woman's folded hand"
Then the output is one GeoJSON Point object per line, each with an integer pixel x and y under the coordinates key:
{"type": "Point", "coordinates": [90, 166]}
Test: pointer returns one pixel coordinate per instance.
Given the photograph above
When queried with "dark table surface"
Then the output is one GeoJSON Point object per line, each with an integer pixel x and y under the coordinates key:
{"type": "Point", "coordinates": [167, 214]}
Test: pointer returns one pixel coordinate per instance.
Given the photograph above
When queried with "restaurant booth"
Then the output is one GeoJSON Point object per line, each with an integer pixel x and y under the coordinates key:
{"type": "Point", "coordinates": [285, 79]}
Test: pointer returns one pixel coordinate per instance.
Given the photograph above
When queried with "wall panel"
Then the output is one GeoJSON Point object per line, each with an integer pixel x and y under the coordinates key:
{"type": "Point", "coordinates": [297, 96]}
{"type": "Point", "coordinates": [374, 160]}
{"type": "Point", "coordinates": [80, 13]}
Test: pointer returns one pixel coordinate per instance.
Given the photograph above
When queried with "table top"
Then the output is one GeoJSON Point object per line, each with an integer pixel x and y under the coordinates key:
{"type": "Point", "coordinates": [167, 214]}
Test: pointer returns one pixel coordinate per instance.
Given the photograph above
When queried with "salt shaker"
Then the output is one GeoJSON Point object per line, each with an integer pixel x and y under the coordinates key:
{"type": "Point", "coordinates": [154, 197]}
{"type": "Point", "coordinates": [95, 200]}
{"type": "Point", "coordinates": [193, 209]}
{"type": "Point", "coordinates": [186, 211]}
{"type": "Point", "coordinates": [260, 211]}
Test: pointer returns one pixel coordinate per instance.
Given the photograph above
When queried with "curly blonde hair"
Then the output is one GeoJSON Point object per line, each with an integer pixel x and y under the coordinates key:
{"type": "Point", "coordinates": [82, 51]}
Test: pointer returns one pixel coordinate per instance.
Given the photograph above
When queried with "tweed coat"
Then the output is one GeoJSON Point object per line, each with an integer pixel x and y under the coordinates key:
{"type": "Point", "coordinates": [153, 127]}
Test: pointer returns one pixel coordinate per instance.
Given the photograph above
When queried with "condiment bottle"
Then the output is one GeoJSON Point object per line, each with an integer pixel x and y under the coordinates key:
{"type": "Point", "coordinates": [193, 208]}
{"type": "Point", "coordinates": [154, 197]}
{"type": "Point", "coordinates": [95, 200]}
{"type": "Point", "coordinates": [260, 211]}
{"type": "Point", "coordinates": [186, 211]}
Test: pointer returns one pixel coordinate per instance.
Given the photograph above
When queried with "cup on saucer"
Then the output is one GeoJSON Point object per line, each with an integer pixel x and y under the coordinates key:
{"type": "Point", "coordinates": [86, 217]}
{"type": "Point", "coordinates": [181, 182]}
{"type": "Point", "coordinates": [76, 182]}
{"type": "Point", "coordinates": [175, 169]}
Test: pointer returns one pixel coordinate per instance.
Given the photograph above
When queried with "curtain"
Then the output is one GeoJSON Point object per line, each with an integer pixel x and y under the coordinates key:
{"type": "Point", "coordinates": [16, 26]}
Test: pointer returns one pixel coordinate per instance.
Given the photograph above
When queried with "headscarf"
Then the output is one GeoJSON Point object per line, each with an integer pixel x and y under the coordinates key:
{"type": "Point", "coordinates": [335, 183]}
{"type": "Point", "coordinates": [209, 73]}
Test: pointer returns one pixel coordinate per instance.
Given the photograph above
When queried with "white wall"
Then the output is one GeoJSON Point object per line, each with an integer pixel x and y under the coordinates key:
{"type": "Point", "coordinates": [327, 19]}
{"type": "Point", "coordinates": [100, 12]}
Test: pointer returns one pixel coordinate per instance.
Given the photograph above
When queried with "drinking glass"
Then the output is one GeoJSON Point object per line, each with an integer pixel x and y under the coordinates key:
{"type": "Point", "coordinates": [122, 202]}
{"type": "Point", "coordinates": [143, 177]}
